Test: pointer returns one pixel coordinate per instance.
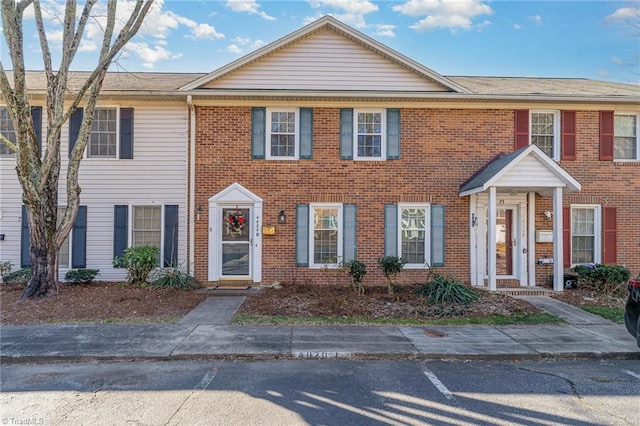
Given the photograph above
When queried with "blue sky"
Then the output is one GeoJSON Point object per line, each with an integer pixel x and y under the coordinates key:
{"type": "Point", "coordinates": [591, 39]}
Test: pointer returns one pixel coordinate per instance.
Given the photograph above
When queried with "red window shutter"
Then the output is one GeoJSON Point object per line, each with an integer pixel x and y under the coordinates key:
{"type": "Point", "coordinates": [568, 139]}
{"type": "Point", "coordinates": [521, 128]}
{"type": "Point", "coordinates": [610, 237]}
{"type": "Point", "coordinates": [566, 236]}
{"type": "Point", "coordinates": [606, 135]}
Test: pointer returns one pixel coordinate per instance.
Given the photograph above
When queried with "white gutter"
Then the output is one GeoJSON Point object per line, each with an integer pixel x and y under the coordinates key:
{"type": "Point", "coordinates": [192, 168]}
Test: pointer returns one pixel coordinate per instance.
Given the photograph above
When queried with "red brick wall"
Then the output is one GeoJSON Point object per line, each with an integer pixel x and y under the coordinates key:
{"type": "Point", "coordinates": [440, 149]}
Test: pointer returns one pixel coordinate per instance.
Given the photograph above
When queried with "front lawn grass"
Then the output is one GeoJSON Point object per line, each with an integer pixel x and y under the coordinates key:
{"type": "Point", "coordinates": [523, 319]}
{"type": "Point", "coordinates": [612, 314]}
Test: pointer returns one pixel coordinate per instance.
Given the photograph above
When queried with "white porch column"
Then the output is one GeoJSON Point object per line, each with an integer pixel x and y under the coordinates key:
{"type": "Point", "coordinates": [558, 250]}
{"type": "Point", "coordinates": [491, 238]}
{"type": "Point", "coordinates": [531, 239]}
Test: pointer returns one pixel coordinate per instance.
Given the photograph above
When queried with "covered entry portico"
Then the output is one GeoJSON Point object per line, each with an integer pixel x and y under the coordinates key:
{"type": "Point", "coordinates": [502, 216]}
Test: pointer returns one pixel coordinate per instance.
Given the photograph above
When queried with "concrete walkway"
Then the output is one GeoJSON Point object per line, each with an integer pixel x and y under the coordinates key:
{"type": "Point", "coordinates": [200, 335]}
{"type": "Point", "coordinates": [568, 313]}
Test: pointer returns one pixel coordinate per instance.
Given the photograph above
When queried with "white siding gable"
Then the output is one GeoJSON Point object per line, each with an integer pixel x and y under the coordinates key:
{"type": "Point", "coordinates": [326, 60]}
{"type": "Point", "coordinates": [529, 171]}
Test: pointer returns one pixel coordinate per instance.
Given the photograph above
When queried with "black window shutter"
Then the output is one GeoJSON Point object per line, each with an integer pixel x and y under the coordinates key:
{"type": "Point", "coordinates": [79, 239]}
{"type": "Point", "coordinates": [437, 235]}
{"type": "Point", "coordinates": [393, 134]}
{"type": "Point", "coordinates": [120, 229]}
{"type": "Point", "coordinates": [25, 245]}
{"type": "Point", "coordinates": [36, 116]}
{"type": "Point", "coordinates": [170, 254]}
{"type": "Point", "coordinates": [258, 126]}
{"type": "Point", "coordinates": [306, 132]}
{"type": "Point", "coordinates": [350, 237]}
{"type": "Point", "coordinates": [302, 235]}
{"type": "Point", "coordinates": [346, 134]}
{"type": "Point", "coordinates": [391, 230]}
{"type": "Point", "coordinates": [126, 133]}
{"type": "Point", "coordinates": [74, 127]}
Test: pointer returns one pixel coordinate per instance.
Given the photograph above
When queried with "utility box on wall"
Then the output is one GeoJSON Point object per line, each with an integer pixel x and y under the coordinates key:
{"type": "Point", "coordinates": [544, 236]}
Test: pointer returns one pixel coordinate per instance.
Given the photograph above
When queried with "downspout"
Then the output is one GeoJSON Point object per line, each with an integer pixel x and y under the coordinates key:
{"type": "Point", "coordinates": [192, 181]}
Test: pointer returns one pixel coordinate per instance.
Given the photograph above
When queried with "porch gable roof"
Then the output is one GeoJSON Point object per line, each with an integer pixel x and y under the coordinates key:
{"type": "Point", "coordinates": [494, 172]}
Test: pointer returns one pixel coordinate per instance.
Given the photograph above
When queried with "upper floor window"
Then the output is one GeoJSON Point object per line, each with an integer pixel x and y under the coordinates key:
{"type": "Point", "coordinates": [369, 131]}
{"type": "Point", "coordinates": [103, 141]}
{"type": "Point", "coordinates": [6, 128]}
{"type": "Point", "coordinates": [626, 144]}
{"type": "Point", "coordinates": [283, 136]}
{"type": "Point", "coordinates": [545, 132]}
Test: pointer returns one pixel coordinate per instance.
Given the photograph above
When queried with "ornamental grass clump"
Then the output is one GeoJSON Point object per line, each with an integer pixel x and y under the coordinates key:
{"type": "Point", "coordinates": [174, 277]}
{"type": "Point", "coordinates": [446, 290]}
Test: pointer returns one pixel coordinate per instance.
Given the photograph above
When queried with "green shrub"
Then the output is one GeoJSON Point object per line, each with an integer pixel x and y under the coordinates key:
{"type": "Point", "coordinates": [21, 276]}
{"type": "Point", "coordinates": [609, 280]}
{"type": "Point", "coordinates": [139, 262]}
{"type": "Point", "coordinates": [174, 277]}
{"type": "Point", "coordinates": [391, 266]}
{"type": "Point", "coordinates": [357, 270]}
{"type": "Point", "coordinates": [81, 276]}
{"type": "Point", "coordinates": [5, 268]}
{"type": "Point", "coordinates": [445, 290]}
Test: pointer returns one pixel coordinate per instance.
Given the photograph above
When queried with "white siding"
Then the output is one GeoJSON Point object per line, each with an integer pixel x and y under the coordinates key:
{"type": "Point", "coordinates": [325, 61]}
{"type": "Point", "coordinates": [156, 175]}
{"type": "Point", "coordinates": [529, 172]}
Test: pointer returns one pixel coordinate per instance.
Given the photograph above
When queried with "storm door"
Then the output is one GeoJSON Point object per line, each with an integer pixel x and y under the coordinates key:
{"type": "Point", "coordinates": [236, 241]}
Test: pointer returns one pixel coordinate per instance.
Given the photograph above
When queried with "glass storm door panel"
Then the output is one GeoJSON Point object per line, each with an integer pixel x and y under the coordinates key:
{"type": "Point", "coordinates": [504, 242]}
{"type": "Point", "coordinates": [236, 242]}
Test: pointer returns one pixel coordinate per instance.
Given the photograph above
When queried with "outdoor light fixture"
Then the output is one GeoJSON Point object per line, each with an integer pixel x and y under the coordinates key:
{"type": "Point", "coordinates": [548, 215]}
{"type": "Point", "coordinates": [282, 218]}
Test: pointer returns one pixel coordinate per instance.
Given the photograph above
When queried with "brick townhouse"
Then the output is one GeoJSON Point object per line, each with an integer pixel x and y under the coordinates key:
{"type": "Point", "coordinates": [326, 146]}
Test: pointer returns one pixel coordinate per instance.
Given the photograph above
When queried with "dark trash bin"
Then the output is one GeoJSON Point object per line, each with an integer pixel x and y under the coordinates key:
{"type": "Point", "coordinates": [569, 281]}
{"type": "Point", "coordinates": [632, 309]}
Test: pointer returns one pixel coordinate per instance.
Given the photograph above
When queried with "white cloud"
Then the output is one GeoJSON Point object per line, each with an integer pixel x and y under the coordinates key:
{"type": "Point", "coordinates": [150, 55]}
{"type": "Point", "coordinates": [451, 14]}
{"type": "Point", "coordinates": [205, 32]}
{"type": "Point", "coordinates": [617, 60]}
{"type": "Point", "coordinates": [517, 27]}
{"type": "Point", "coordinates": [242, 40]}
{"type": "Point", "coordinates": [234, 49]}
{"type": "Point", "coordinates": [385, 30]}
{"type": "Point", "coordinates": [536, 19]}
{"type": "Point", "coordinates": [248, 6]}
{"type": "Point", "coordinates": [351, 12]}
{"type": "Point", "coordinates": [623, 14]}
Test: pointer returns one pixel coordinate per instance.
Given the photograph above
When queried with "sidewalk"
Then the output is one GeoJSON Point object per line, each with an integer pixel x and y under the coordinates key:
{"type": "Point", "coordinates": [203, 334]}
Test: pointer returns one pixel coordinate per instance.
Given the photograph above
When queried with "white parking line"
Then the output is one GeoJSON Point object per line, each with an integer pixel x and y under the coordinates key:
{"type": "Point", "coordinates": [438, 384]}
{"type": "Point", "coordinates": [631, 373]}
{"type": "Point", "coordinates": [206, 379]}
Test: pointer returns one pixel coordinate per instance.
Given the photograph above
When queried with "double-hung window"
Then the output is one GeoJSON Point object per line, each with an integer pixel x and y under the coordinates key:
{"type": "Point", "coordinates": [585, 234]}
{"type": "Point", "coordinates": [325, 234]}
{"type": "Point", "coordinates": [103, 140]}
{"type": "Point", "coordinates": [626, 143]}
{"type": "Point", "coordinates": [413, 234]}
{"type": "Point", "coordinates": [370, 134]}
{"type": "Point", "coordinates": [147, 227]}
{"type": "Point", "coordinates": [545, 132]}
{"type": "Point", "coordinates": [6, 128]}
{"type": "Point", "coordinates": [283, 135]}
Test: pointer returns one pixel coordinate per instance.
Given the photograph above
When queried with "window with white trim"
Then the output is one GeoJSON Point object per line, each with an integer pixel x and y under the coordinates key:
{"type": "Point", "coordinates": [283, 134]}
{"type": "Point", "coordinates": [147, 227]}
{"type": "Point", "coordinates": [6, 128]}
{"type": "Point", "coordinates": [585, 234]}
{"type": "Point", "coordinates": [413, 234]}
{"type": "Point", "coordinates": [626, 142]}
{"type": "Point", "coordinates": [369, 134]}
{"type": "Point", "coordinates": [103, 140]}
{"type": "Point", "coordinates": [325, 234]}
{"type": "Point", "coordinates": [545, 132]}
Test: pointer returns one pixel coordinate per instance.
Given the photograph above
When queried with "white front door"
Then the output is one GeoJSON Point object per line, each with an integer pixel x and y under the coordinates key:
{"type": "Point", "coordinates": [511, 238]}
{"type": "Point", "coordinates": [235, 254]}
{"type": "Point", "coordinates": [235, 235]}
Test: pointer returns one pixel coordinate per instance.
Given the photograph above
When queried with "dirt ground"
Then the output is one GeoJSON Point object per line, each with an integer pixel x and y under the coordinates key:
{"type": "Point", "coordinates": [103, 302]}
